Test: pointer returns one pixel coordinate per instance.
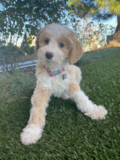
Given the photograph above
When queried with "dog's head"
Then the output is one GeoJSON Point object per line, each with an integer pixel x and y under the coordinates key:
{"type": "Point", "coordinates": [55, 44]}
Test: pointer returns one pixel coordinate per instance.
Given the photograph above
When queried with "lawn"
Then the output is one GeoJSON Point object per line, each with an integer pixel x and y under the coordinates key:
{"type": "Point", "coordinates": [68, 134]}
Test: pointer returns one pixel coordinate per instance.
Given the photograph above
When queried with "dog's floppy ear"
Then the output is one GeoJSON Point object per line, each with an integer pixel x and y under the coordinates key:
{"type": "Point", "coordinates": [76, 51]}
{"type": "Point", "coordinates": [37, 45]}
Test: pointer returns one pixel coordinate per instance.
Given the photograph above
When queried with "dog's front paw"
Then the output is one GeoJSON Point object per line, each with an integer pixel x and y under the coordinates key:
{"type": "Point", "coordinates": [30, 134]}
{"type": "Point", "coordinates": [98, 112]}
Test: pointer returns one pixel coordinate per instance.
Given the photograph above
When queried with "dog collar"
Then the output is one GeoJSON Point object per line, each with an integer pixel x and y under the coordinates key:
{"type": "Point", "coordinates": [55, 73]}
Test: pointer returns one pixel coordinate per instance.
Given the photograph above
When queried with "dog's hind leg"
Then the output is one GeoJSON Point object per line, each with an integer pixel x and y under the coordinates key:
{"type": "Point", "coordinates": [84, 104]}
{"type": "Point", "coordinates": [33, 131]}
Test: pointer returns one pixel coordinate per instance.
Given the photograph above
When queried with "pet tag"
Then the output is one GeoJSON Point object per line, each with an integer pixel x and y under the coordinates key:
{"type": "Point", "coordinates": [64, 76]}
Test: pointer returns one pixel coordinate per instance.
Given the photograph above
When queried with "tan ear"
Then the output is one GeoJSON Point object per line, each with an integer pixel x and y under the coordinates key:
{"type": "Point", "coordinates": [37, 45]}
{"type": "Point", "coordinates": [76, 51]}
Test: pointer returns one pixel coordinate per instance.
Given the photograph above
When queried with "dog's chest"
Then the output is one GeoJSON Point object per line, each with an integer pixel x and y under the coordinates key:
{"type": "Point", "coordinates": [59, 85]}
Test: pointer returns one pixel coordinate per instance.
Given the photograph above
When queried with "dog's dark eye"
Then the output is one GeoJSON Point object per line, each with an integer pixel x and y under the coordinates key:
{"type": "Point", "coordinates": [61, 45]}
{"type": "Point", "coordinates": [47, 41]}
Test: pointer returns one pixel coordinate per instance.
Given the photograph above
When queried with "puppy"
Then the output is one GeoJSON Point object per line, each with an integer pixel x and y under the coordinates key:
{"type": "Point", "coordinates": [57, 49]}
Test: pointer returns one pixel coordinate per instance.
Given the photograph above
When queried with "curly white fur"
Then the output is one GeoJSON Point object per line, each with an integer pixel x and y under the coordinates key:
{"type": "Point", "coordinates": [87, 106]}
{"type": "Point", "coordinates": [48, 41]}
{"type": "Point", "coordinates": [30, 134]}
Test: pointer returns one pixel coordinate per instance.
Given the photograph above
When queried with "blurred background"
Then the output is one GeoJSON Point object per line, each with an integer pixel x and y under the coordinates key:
{"type": "Point", "coordinates": [95, 22]}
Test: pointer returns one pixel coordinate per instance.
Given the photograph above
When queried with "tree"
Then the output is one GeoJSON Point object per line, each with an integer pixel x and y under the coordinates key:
{"type": "Point", "coordinates": [23, 18]}
{"type": "Point", "coordinates": [100, 9]}
{"type": "Point", "coordinates": [18, 16]}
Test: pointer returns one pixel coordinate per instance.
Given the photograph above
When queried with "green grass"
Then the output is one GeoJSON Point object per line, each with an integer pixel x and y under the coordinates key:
{"type": "Point", "coordinates": [21, 80]}
{"type": "Point", "coordinates": [68, 134]}
{"type": "Point", "coordinates": [92, 56]}
{"type": "Point", "coordinates": [12, 84]}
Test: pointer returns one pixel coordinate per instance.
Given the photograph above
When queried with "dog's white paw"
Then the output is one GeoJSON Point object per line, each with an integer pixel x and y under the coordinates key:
{"type": "Point", "coordinates": [98, 112]}
{"type": "Point", "coordinates": [30, 134]}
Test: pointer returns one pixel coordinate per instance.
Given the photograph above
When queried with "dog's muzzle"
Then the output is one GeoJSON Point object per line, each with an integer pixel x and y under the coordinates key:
{"type": "Point", "coordinates": [49, 55]}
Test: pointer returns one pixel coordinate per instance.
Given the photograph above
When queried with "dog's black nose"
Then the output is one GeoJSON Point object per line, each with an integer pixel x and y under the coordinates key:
{"type": "Point", "coordinates": [49, 55]}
